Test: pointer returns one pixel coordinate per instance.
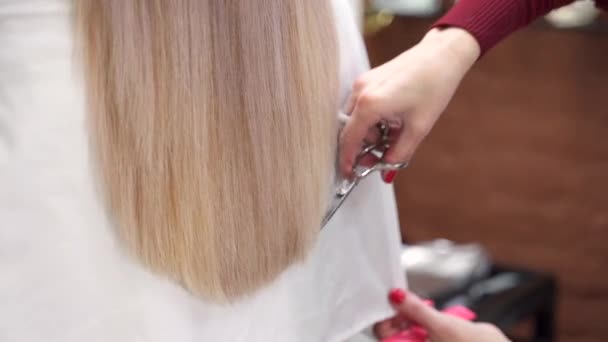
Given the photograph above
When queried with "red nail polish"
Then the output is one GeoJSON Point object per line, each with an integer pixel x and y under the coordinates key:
{"type": "Point", "coordinates": [396, 296]}
{"type": "Point", "coordinates": [460, 312]}
{"type": "Point", "coordinates": [389, 177]}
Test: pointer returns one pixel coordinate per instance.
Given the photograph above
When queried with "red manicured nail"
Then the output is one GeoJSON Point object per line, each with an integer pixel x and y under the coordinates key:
{"type": "Point", "coordinates": [389, 177]}
{"type": "Point", "coordinates": [461, 312]}
{"type": "Point", "coordinates": [396, 296]}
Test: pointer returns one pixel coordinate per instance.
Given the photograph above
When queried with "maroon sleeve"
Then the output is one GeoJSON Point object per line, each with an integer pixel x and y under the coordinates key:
{"type": "Point", "coordinates": [603, 4]}
{"type": "Point", "coordinates": [490, 21]}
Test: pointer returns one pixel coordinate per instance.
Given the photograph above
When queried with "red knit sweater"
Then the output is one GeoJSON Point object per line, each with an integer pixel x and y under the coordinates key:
{"type": "Point", "coordinates": [489, 21]}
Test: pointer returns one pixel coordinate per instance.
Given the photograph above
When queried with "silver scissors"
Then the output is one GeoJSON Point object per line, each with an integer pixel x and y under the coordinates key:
{"type": "Point", "coordinates": [346, 186]}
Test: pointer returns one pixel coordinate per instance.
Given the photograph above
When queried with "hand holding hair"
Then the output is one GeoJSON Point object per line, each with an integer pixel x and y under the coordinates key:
{"type": "Point", "coordinates": [425, 322]}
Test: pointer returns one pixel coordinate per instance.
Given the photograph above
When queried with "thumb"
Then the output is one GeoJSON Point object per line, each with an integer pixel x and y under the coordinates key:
{"type": "Point", "coordinates": [414, 309]}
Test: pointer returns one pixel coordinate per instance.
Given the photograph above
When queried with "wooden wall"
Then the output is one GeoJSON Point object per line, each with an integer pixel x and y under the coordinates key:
{"type": "Point", "coordinates": [519, 162]}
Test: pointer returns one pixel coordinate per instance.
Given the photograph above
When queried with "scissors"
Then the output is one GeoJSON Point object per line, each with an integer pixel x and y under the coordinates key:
{"type": "Point", "coordinates": [347, 186]}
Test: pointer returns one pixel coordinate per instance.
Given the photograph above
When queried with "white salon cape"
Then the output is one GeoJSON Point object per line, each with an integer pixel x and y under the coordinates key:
{"type": "Point", "coordinates": [62, 275]}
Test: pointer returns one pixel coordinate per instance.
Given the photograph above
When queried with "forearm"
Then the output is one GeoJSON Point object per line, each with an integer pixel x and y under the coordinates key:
{"type": "Point", "coordinates": [458, 46]}
{"type": "Point", "coordinates": [490, 21]}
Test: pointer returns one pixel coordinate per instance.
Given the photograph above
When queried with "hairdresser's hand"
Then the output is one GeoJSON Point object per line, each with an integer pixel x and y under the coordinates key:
{"type": "Point", "coordinates": [439, 326]}
{"type": "Point", "coordinates": [409, 92]}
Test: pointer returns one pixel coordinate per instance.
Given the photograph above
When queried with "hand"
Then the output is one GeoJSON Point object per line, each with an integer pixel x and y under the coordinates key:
{"type": "Point", "coordinates": [440, 327]}
{"type": "Point", "coordinates": [408, 92]}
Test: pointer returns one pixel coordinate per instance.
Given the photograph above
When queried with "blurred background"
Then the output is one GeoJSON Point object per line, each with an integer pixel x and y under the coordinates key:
{"type": "Point", "coordinates": [519, 161]}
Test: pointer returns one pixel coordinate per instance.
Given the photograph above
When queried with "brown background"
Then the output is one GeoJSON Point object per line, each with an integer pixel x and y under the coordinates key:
{"type": "Point", "coordinates": [519, 162]}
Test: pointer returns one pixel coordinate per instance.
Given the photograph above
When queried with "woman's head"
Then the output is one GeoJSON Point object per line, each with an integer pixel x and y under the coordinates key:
{"type": "Point", "coordinates": [213, 130]}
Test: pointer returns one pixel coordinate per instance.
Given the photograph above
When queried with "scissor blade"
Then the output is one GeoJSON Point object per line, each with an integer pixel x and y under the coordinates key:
{"type": "Point", "coordinates": [334, 206]}
{"type": "Point", "coordinates": [339, 197]}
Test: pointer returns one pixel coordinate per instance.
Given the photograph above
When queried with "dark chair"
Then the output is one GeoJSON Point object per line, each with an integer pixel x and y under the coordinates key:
{"type": "Point", "coordinates": [509, 296]}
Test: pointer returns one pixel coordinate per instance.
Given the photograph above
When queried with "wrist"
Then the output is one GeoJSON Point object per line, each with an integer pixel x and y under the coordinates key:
{"type": "Point", "coordinates": [459, 45]}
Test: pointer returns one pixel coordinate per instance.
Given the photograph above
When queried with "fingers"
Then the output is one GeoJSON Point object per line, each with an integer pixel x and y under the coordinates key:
{"type": "Point", "coordinates": [353, 136]}
{"type": "Point", "coordinates": [373, 136]}
{"type": "Point", "coordinates": [349, 107]}
{"type": "Point", "coordinates": [402, 149]}
{"type": "Point", "coordinates": [368, 160]}
{"type": "Point", "coordinates": [360, 128]}
{"type": "Point", "coordinates": [390, 327]}
{"type": "Point", "coordinates": [361, 84]}
{"type": "Point", "coordinates": [413, 308]}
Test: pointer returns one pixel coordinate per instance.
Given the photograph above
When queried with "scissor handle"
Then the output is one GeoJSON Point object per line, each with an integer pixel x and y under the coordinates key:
{"type": "Point", "coordinates": [381, 146]}
{"type": "Point", "coordinates": [362, 173]}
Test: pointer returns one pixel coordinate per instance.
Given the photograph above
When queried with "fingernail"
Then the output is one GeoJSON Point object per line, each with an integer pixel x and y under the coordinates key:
{"type": "Point", "coordinates": [389, 177]}
{"type": "Point", "coordinates": [396, 296]}
{"type": "Point", "coordinates": [429, 302]}
{"type": "Point", "coordinates": [461, 312]}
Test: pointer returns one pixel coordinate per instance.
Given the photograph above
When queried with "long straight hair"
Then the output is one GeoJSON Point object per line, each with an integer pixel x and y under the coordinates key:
{"type": "Point", "coordinates": [213, 130]}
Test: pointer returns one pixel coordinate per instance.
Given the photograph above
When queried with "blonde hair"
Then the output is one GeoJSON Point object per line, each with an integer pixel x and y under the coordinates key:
{"type": "Point", "coordinates": [213, 130]}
